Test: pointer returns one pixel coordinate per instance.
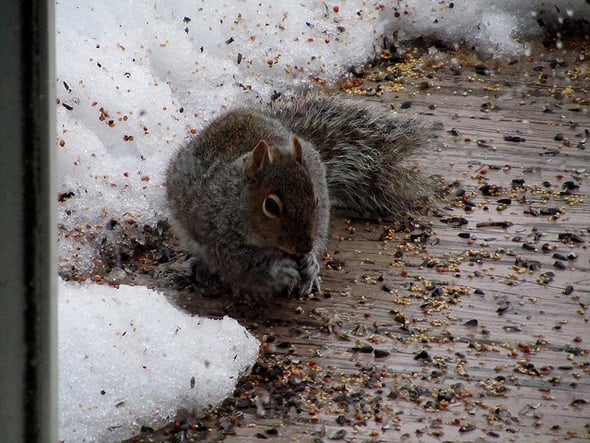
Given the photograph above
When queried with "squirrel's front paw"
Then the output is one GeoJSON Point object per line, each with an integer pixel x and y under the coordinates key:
{"type": "Point", "coordinates": [309, 269]}
{"type": "Point", "coordinates": [285, 274]}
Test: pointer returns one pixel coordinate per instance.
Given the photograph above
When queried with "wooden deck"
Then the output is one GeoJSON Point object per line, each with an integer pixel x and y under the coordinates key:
{"type": "Point", "coordinates": [471, 325]}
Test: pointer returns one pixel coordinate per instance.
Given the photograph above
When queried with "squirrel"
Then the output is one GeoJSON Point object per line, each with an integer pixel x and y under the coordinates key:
{"type": "Point", "coordinates": [251, 194]}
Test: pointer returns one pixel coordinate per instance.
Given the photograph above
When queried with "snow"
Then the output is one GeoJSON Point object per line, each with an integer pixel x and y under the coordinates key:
{"type": "Point", "coordinates": [134, 79]}
{"type": "Point", "coordinates": [127, 357]}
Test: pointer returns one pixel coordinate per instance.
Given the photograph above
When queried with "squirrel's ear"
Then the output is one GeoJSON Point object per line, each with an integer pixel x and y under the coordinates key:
{"type": "Point", "coordinates": [297, 149]}
{"type": "Point", "coordinates": [261, 156]}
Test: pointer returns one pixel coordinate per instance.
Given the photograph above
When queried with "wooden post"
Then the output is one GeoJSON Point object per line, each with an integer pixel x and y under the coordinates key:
{"type": "Point", "coordinates": [27, 223]}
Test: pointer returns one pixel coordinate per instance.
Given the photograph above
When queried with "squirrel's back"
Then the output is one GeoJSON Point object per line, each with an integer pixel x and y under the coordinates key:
{"type": "Point", "coordinates": [234, 134]}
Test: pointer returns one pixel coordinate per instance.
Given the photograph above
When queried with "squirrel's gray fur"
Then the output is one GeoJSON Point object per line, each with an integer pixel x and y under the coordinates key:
{"type": "Point", "coordinates": [303, 155]}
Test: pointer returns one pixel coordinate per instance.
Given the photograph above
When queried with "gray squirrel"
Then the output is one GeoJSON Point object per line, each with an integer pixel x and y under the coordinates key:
{"type": "Point", "coordinates": [251, 193]}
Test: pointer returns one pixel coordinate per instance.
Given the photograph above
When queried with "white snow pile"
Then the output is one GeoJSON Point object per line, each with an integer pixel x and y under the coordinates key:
{"type": "Point", "coordinates": [135, 79]}
{"type": "Point", "coordinates": [127, 358]}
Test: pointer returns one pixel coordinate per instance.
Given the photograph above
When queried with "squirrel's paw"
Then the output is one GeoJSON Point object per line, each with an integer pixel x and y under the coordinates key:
{"type": "Point", "coordinates": [309, 269]}
{"type": "Point", "coordinates": [285, 273]}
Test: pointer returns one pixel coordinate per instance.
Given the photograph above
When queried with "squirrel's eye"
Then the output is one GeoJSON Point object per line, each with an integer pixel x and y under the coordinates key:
{"type": "Point", "coordinates": [272, 206]}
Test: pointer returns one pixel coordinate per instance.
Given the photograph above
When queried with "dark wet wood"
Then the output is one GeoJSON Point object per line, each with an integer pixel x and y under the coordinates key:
{"type": "Point", "coordinates": [448, 331]}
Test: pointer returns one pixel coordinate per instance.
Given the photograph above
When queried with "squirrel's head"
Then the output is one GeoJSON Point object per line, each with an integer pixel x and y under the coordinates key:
{"type": "Point", "coordinates": [282, 202]}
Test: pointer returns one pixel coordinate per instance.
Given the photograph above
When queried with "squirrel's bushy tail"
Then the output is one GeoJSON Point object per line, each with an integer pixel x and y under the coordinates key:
{"type": "Point", "coordinates": [366, 150]}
